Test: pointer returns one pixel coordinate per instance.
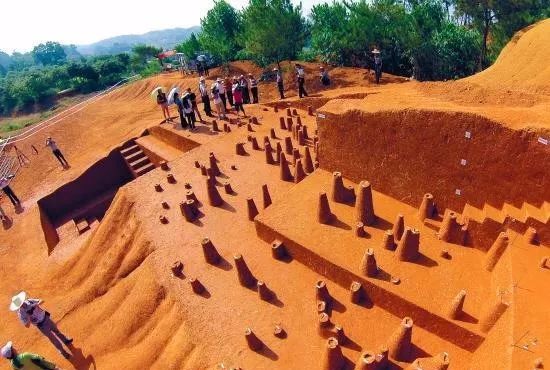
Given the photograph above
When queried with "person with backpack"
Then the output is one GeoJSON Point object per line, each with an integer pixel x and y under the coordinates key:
{"type": "Point", "coordinates": [203, 90]}
{"type": "Point", "coordinates": [280, 85]}
{"type": "Point", "coordinates": [238, 96]}
{"type": "Point", "coordinates": [26, 360]}
{"type": "Point", "coordinates": [253, 88]}
{"type": "Point", "coordinates": [188, 110]}
{"type": "Point", "coordinates": [325, 79]}
{"type": "Point", "coordinates": [218, 101]}
{"type": "Point", "coordinates": [179, 104]}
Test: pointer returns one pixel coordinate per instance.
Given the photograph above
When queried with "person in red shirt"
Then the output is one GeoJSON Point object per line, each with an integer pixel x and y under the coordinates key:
{"type": "Point", "coordinates": [238, 96]}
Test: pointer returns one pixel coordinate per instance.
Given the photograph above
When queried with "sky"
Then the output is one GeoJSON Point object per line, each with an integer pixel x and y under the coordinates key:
{"type": "Point", "coordinates": [26, 24]}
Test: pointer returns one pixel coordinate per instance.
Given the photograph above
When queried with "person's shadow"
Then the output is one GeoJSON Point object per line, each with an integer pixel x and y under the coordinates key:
{"type": "Point", "coordinates": [79, 361]}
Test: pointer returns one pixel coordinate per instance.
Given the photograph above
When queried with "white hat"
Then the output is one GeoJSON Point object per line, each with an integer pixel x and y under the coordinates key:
{"type": "Point", "coordinates": [202, 78]}
{"type": "Point", "coordinates": [6, 351]}
{"type": "Point", "coordinates": [17, 301]}
{"type": "Point", "coordinates": [376, 51]}
{"type": "Point", "coordinates": [275, 69]}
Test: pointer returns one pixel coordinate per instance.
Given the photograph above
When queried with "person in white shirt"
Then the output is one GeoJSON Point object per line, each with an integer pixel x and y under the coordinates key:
{"type": "Point", "coordinates": [221, 89]}
{"type": "Point", "coordinates": [220, 109]}
{"type": "Point", "coordinates": [5, 186]}
{"type": "Point", "coordinates": [253, 88]}
{"type": "Point", "coordinates": [55, 150]}
{"type": "Point", "coordinates": [29, 312]}
{"type": "Point", "coordinates": [301, 74]}
{"type": "Point", "coordinates": [280, 84]}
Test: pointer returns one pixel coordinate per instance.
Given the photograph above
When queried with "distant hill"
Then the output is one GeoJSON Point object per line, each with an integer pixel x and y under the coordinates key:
{"type": "Point", "coordinates": [119, 44]}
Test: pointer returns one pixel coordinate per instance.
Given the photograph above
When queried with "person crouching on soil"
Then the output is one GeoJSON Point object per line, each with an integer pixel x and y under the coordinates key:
{"type": "Point", "coordinates": [193, 100]}
{"type": "Point", "coordinates": [323, 77]}
{"type": "Point", "coordinates": [179, 104]}
{"type": "Point", "coordinates": [188, 110]}
{"type": "Point", "coordinates": [30, 312]}
{"type": "Point", "coordinates": [162, 101]}
{"type": "Point", "coordinates": [218, 101]}
{"type": "Point", "coordinates": [26, 360]}
{"type": "Point", "coordinates": [56, 152]}
{"type": "Point", "coordinates": [238, 96]}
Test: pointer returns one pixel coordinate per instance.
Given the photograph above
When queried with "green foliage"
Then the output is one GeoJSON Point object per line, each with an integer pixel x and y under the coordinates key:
{"type": "Point", "coordinates": [220, 28]}
{"type": "Point", "coordinates": [190, 47]}
{"type": "Point", "coordinates": [329, 32]}
{"type": "Point", "coordinates": [272, 30]}
{"type": "Point", "coordinates": [146, 52]}
{"type": "Point", "coordinates": [50, 53]}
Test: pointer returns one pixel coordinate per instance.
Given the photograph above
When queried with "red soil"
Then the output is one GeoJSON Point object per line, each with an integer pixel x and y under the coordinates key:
{"type": "Point", "coordinates": [111, 288]}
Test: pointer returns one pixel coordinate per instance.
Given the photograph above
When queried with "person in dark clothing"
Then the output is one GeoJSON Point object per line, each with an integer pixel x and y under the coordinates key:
{"type": "Point", "coordinates": [301, 75]}
{"type": "Point", "coordinates": [56, 152]}
{"type": "Point", "coordinates": [193, 100]}
{"type": "Point", "coordinates": [162, 101]}
{"type": "Point", "coordinates": [229, 91]}
{"type": "Point", "coordinates": [280, 85]}
{"type": "Point", "coordinates": [5, 186]}
{"type": "Point", "coordinates": [253, 88]}
{"type": "Point", "coordinates": [325, 79]}
{"type": "Point", "coordinates": [188, 110]}
{"type": "Point", "coordinates": [377, 65]}
{"type": "Point", "coordinates": [246, 92]}
{"type": "Point", "coordinates": [179, 104]}
{"type": "Point", "coordinates": [203, 89]}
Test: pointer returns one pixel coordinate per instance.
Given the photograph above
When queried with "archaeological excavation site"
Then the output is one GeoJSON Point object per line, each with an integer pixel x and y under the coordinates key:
{"type": "Point", "coordinates": [400, 226]}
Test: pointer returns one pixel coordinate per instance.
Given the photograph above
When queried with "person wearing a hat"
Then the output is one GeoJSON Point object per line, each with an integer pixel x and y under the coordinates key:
{"type": "Point", "coordinates": [193, 100]}
{"type": "Point", "coordinates": [179, 104]}
{"type": "Point", "coordinates": [301, 75]}
{"type": "Point", "coordinates": [246, 93]}
{"type": "Point", "coordinates": [221, 90]}
{"type": "Point", "coordinates": [325, 79]}
{"type": "Point", "coordinates": [377, 65]}
{"type": "Point", "coordinates": [188, 110]}
{"type": "Point", "coordinates": [55, 150]}
{"type": "Point", "coordinates": [220, 109]}
{"type": "Point", "coordinates": [253, 88]}
{"type": "Point", "coordinates": [26, 360]}
{"type": "Point", "coordinates": [5, 186]}
{"type": "Point", "coordinates": [280, 85]}
{"type": "Point", "coordinates": [203, 90]}
{"type": "Point", "coordinates": [30, 312]}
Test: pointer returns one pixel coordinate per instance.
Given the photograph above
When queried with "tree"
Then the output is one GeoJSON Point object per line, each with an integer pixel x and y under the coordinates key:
{"type": "Point", "coordinates": [50, 53]}
{"type": "Point", "coordinates": [329, 32]}
{"type": "Point", "coordinates": [272, 30]}
{"type": "Point", "coordinates": [220, 28]}
{"type": "Point", "coordinates": [145, 52]}
{"type": "Point", "coordinates": [190, 47]}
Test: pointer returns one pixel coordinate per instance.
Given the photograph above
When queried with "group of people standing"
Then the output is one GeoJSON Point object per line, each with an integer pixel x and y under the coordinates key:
{"type": "Point", "coordinates": [300, 80]}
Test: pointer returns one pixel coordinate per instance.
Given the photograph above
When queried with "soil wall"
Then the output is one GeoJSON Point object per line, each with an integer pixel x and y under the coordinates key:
{"type": "Point", "coordinates": [105, 175]}
{"type": "Point", "coordinates": [408, 153]}
{"type": "Point", "coordinates": [172, 139]}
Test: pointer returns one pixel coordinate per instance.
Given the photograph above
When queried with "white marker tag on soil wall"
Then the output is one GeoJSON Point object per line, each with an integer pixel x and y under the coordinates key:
{"type": "Point", "coordinates": [468, 135]}
{"type": "Point", "coordinates": [458, 191]}
{"type": "Point", "coordinates": [463, 162]}
{"type": "Point", "coordinates": [320, 115]}
{"type": "Point", "coordinates": [543, 141]}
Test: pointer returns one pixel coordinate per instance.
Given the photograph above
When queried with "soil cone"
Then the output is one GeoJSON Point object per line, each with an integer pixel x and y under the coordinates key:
{"type": "Point", "coordinates": [252, 209]}
{"type": "Point", "coordinates": [449, 227]}
{"type": "Point", "coordinates": [368, 264]}
{"type": "Point", "coordinates": [254, 343]}
{"type": "Point", "coordinates": [245, 275]}
{"type": "Point", "coordinates": [268, 155]}
{"type": "Point", "coordinates": [286, 175]}
{"type": "Point", "coordinates": [398, 227]}
{"type": "Point", "coordinates": [214, 197]}
{"type": "Point", "coordinates": [279, 150]}
{"type": "Point", "coordinates": [455, 310]}
{"type": "Point", "coordinates": [210, 252]}
{"type": "Point", "coordinates": [214, 165]}
{"type": "Point", "coordinates": [282, 124]}
{"type": "Point", "coordinates": [288, 145]}
{"type": "Point", "coordinates": [367, 361]}
{"type": "Point", "coordinates": [321, 292]}
{"type": "Point", "coordinates": [399, 344]}
{"type": "Point", "coordinates": [333, 358]}
{"type": "Point", "coordinates": [496, 251]}
{"type": "Point", "coordinates": [409, 245]}
{"type": "Point", "coordinates": [357, 292]}
{"type": "Point", "coordinates": [439, 362]}
{"type": "Point", "coordinates": [363, 206]}
{"type": "Point", "coordinates": [427, 207]}
{"type": "Point", "coordinates": [300, 174]}
{"type": "Point", "coordinates": [388, 241]}
{"type": "Point", "coordinates": [491, 315]}
{"type": "Point", "coordinates": [266, 197]}
{"type": "Point", "coordinates": [308, 162]}
{"type": "Point", "coordinates": [264, 292]}
{"type": "Point", "coordinates": [325, 216]}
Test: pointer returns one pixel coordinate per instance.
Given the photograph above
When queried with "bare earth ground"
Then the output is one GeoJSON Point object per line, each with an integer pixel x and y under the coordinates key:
{"type": "Point", "coordinates": [112, 290]}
